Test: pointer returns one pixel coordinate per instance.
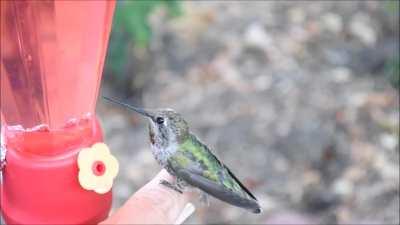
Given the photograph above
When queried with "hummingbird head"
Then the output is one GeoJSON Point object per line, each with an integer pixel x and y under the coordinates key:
{"type": "Point", "coordinates": [166, 127]}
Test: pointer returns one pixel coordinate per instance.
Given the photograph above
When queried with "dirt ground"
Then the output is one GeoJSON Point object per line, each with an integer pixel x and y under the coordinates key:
{"type": "Point", "coordinates": [291, 95]}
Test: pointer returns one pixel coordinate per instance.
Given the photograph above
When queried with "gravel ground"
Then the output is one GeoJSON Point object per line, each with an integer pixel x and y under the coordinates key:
{"type": "Point", "coordinates": [290, 95]}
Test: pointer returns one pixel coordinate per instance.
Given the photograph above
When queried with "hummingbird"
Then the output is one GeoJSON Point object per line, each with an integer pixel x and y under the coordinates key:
{"type": "Point", "coordinates": [190, 161]}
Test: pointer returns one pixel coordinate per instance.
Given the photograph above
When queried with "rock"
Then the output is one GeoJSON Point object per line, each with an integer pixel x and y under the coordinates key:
{"type": "Point", "coordinates": [380, 99]}
{"type": "Point", "coordinates": [360, 27]}
{"type": "Point", "coordinates": [311, 177]}
{"type": "Point", "coordinates": [372, 59]}
{"type": "Point", "coordinates": [343, 215]}
{"type": "Point", "coordinates": [386, 168]}
{"type": "Point", "coordinates": [318, 199]}
{"type": "Point", "coordinates": [256, 35]}
{"type": "Point", "coordinates": [354, 174]}
{"type": "Point", "coordinates": [364, 153]}
{"type": "Point", "coordinates": [298, 36]}
{"type": "Point", "coordinates": [343, 187]}
{"type": "Point", "coordinates": [389, 141]}
{"type": "Point", "coordinates": [337, 56]}
{"type": "Point", "coordinates": [358, 99]}
{"type": "Point", "coordinates": [341, 74]}
{"type": "Point", "coordinates": [332, 22]}
{"type": "Point", "coordinates": [262, 83]}
{"type": "Point", "coordinates": [296, 15]}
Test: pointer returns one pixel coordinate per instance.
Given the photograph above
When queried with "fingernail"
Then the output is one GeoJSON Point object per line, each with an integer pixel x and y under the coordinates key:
{"type": "Point", "coordinates": [186, 212]}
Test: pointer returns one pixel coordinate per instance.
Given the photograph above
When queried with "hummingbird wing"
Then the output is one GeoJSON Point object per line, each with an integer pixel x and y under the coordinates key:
{"type": "Point", "coordinates": [195, 164]}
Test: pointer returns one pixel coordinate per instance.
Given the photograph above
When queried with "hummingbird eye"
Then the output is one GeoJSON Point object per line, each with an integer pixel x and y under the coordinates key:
{"type": "Point", "coordinates": [160, 120]}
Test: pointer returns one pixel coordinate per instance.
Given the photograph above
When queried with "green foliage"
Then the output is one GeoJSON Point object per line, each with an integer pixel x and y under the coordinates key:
{"type": "Point", "coordinates": [393, 71]}
{"type": "Point", "coordinates": [131, 29]}
{"type": "Point", "coordinates": [392, 66]}
{"type": "Point", "coordinates": [392, 6]}
{"type": "Point", "coordinates": [132, 17]}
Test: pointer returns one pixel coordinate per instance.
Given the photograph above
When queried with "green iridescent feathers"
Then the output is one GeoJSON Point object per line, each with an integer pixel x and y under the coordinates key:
{"type": "Point", "coordinates": [199, 167]}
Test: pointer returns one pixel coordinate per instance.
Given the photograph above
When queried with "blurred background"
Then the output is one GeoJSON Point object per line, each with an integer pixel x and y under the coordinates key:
{"type": "Point", "coordinates": [299, 99]}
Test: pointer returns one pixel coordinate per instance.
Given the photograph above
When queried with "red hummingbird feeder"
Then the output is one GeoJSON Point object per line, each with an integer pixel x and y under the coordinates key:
{"type": "Point", "coordinates": [52, 56]}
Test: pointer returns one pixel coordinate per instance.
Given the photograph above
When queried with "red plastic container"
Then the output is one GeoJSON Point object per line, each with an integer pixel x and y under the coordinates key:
{"type": "Point", "coordinates": [52, 55]}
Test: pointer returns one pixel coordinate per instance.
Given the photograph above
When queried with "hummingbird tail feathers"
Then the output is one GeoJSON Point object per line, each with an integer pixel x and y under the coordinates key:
{"type": "Point", "coordinates": [219, 192]}
{"type": "Point", "coordinates": [255, 208]}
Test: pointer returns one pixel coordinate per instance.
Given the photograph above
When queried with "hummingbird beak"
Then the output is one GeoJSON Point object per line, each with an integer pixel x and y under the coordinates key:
{"type": "Point", "coordinates": [133, 108]}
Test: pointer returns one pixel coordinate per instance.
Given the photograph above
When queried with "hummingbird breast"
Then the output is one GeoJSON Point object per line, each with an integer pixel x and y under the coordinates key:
{"type": "Point", "coordinates": [163, 154]}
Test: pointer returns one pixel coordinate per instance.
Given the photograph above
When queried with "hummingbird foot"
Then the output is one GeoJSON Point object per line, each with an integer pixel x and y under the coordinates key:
{"type": "Point", "coordinates": [174, 187]}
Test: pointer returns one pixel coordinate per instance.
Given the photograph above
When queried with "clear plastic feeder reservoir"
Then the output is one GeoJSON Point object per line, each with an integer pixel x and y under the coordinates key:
{"type": "Point", "coordinates": [52, 56]}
